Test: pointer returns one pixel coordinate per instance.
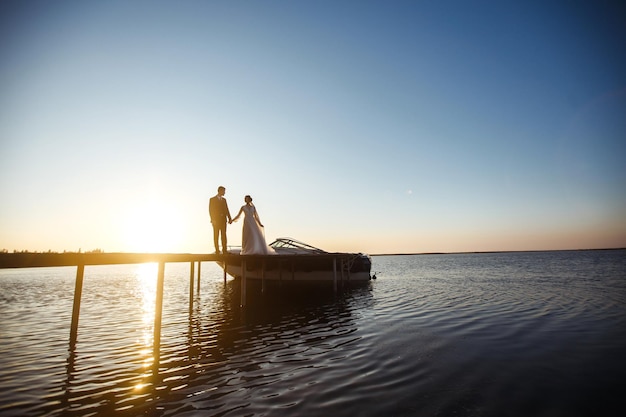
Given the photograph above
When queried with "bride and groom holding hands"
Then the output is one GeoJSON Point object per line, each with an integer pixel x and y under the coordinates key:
{"type": "Point", "coordinates": [253, 235]}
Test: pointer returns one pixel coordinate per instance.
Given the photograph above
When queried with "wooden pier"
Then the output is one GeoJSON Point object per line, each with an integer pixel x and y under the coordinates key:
{"type": "Point", "coordinates": [33, 260]}
{"type": "Point", "coordinates": [80, 260]}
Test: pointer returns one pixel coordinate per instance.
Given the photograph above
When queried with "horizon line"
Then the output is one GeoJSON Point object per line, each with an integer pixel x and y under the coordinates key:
{"type": "Point", "coordinates": [491, 251]}
{"type": "Point", "coordinates": [100, 251]}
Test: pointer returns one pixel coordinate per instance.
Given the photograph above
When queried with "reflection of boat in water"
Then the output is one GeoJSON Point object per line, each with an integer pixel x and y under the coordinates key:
{"type": "Point", "coordinates": [298, 262]}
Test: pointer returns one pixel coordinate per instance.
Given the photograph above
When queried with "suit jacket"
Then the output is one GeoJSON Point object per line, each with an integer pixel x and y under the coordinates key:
{"type": "Point", "coordinates": [218, 210]}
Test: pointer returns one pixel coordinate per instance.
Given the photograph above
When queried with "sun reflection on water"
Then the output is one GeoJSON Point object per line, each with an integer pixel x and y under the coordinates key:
{"type": "Point", "coordinates": [146, 276]}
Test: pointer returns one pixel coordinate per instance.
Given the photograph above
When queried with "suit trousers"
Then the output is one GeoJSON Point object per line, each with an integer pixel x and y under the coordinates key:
{"type": "Point", "coordinates": [219, 228]}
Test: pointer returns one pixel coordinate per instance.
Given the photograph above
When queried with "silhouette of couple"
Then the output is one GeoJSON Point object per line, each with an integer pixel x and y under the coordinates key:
{"type": "Point", "coordinates": [253, 235]}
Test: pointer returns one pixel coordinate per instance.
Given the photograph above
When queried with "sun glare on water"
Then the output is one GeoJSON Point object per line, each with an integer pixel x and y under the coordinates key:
{"type": "Point", "coordinates": [146, 292]}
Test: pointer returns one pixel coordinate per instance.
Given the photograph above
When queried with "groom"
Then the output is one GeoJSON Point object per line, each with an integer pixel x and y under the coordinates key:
{"type": "Point", "coordinates": [218, 210]}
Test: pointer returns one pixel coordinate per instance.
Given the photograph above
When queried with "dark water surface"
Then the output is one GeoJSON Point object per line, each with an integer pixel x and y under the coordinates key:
{"type": "Point", "coordinates": [506, 334]}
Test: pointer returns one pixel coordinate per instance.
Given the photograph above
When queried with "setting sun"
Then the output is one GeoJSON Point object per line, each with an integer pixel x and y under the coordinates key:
{"type": "Point", "coordinates": [153, 226]}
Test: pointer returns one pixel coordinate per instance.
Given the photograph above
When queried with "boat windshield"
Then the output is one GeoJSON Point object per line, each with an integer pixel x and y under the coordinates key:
{"type": "Point", "coordinates": [289, 243]}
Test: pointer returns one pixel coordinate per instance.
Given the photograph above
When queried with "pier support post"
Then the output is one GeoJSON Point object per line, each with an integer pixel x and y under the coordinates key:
{"type": "Point", "coordinates": [198, 287]}
{"type": "Point", "coordinates": [158, 313]}
{"type": "Point", "coordinates": [263, 276]}
{"type": "Point", "coordinates": [191, 276]}
{"type": "Point", "coordinates": [243, 283]}
{"type": "Point", "coordinates": [335, 275]}
{"type": "Point", "coordinates": [78, 292]}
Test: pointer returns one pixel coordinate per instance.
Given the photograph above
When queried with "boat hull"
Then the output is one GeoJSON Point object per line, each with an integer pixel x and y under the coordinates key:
{"type": "Point", "coordinates": [313, 268]}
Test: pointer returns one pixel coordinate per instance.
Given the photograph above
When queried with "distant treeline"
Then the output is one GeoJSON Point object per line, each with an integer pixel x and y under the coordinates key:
{"type": "Point", "coordinates": [51, 251]}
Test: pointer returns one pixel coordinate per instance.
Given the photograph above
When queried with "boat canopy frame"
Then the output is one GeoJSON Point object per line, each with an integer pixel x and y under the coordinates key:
{"type": "Point", "coordinates": [290, 243]}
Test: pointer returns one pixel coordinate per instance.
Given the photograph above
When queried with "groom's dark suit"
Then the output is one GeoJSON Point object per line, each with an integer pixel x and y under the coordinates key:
{"type": "Point", "coordinates": [218, 210]}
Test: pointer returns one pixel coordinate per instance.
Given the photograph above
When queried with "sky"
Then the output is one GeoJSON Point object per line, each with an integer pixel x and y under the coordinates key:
{"type": "Point", "coordinates": [363, 126]}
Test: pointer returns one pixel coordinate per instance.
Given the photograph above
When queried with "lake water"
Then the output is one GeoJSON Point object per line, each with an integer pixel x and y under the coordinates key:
{"type": "Point", "coordinates": [503, 334]}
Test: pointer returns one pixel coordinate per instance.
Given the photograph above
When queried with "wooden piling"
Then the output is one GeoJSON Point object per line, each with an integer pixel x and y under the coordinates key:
{"type": "Point", "coordinates": [263, 276]}
{"type": "Point", "coordinates": [191, 276]}
{"type": "Point", "coordinates": [243, 282]}
{"type": "Point", "coordinates": [158, 314]}
{"type": "Point", "coordinates": [335, 275]}
{"type": "Point", "coordinates": [78, 292]}
{"type": "Point", "coordinates": [198, 287]}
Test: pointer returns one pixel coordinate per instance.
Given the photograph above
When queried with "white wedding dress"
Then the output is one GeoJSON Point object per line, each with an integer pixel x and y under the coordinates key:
{"type": "Point", "coordinates": [253, 235]}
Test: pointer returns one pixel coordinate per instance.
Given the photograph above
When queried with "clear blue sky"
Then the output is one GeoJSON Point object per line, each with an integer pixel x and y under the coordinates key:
{"type": "Point", "coordinates": [373, 126]}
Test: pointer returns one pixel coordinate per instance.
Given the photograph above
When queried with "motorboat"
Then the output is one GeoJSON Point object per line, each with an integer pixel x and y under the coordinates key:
{"type": "Point", "coordinates": [295, 262]}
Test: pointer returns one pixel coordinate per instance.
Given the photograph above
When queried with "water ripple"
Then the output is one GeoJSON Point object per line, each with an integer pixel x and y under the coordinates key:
{"type": "Point", "coordinates": [475, 334]}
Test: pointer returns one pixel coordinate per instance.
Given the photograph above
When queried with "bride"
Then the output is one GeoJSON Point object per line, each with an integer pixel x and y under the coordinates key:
{"type": "Point", "coordinates": [253, 235]}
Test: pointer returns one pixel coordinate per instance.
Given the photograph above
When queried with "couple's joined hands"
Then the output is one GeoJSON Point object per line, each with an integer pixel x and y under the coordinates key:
{"type": "Point", "coordinates": [231, 222]}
